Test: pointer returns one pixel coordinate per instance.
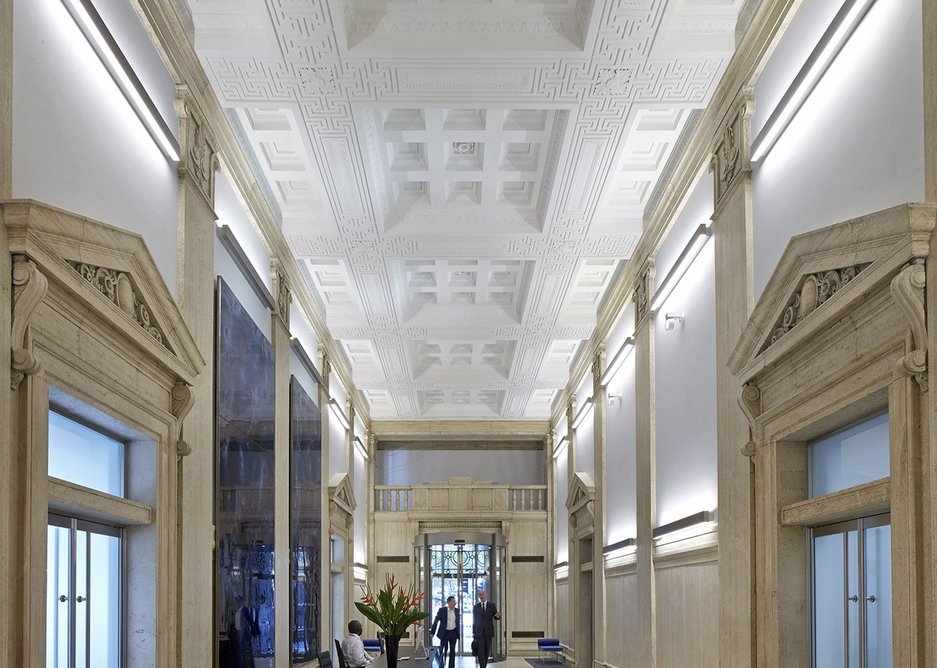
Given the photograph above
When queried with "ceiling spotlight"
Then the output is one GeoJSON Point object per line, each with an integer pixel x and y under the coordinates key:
{"type": "Point", "coordinates": [463, 147]}
{"type": "Point", "coordinates": [671, 320]}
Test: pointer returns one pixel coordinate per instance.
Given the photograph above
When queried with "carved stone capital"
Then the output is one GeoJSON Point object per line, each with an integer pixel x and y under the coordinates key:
{"type": "Point", "coordinates": [284, 296]}
{"type": "Point", "coordinates": [198, 159]}
{"type": "Point", "coordinates": [642, 292]}
{"type": "Point", "coordinates": [750, 403]}
{"type": "Point", "coordinates": [598, 370]}
{"type": "Point", "coordinates": [731, 156]}
{"type": "Point", "coordinates": [29, 289]}
{"type": "Point", "coordinates": [748, 450]}
{"type": "Point", "coordinates": [907, 289]}
{"type": "Point", "coordinates": [325, 365]}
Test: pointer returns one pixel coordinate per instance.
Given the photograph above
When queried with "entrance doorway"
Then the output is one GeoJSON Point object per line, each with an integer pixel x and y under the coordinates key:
{"type": "Point", "coordinates": [460, 565]}
{"type": "Point", "coordinates": [851, 593]}
{"type": "Point", "coordinates": [83, 610]}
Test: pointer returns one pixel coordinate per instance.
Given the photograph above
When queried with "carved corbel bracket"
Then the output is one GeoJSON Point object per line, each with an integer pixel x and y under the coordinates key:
{"type": "Point", "coordinates": [907, 288]}
{"type": "Point", "coordinates": [29, 289]}
{"type": "Point", "coordinates": [182, 402]}
{"type": "Point", "coordinates": [750, 403]}
{"type": "Point", "coordinates": [325, 364]}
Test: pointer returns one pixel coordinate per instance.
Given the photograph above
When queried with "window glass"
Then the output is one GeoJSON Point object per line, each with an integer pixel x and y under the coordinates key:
{"type": "Point", "coordinates": [85, 457]}
{"type": "Point", "coordinates": [852, 456]}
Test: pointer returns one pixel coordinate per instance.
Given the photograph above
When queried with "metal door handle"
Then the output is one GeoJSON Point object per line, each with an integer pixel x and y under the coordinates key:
{"type": "Point", "coordinates": [80, 599]}
{"type": "Point", "coordinates": [854, 598]}
{"type": "Point", "coordinates": [870, 599]}
{"type": "Point", "coordinates": [63, 598]}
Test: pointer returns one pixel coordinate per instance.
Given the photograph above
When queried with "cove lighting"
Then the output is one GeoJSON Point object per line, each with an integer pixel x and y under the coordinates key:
{"type": "Point", "coordinates": [100, 39]}
{"type": "Point", "coordinates": [617, 361]}
{"type": "Point", "coordinates": [702, 234]}
{"type": "Point", "coordinates": [583, 412]}
{"type": "Point", "coordinates": [339, 413]}
{"type": "Point", "coordinates": [359, 446]}
{"type": "Point", "coordinates": [686, 527]}
{"type": "Point", "coordinates": [844, 24]}
{"type": "Point", "coordinates": [563, 442]}
{"type": "Point", "coordinates": [622, 548]}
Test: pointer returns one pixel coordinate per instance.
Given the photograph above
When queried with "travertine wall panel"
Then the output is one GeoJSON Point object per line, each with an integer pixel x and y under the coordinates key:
{"type": "Point", "coordinates": [687, 622]}
{"type": "Point", "coordinates": [622, 626]}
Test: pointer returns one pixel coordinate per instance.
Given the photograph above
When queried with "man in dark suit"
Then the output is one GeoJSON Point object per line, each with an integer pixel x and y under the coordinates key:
{"type": "Point", "coordinates": [446, 628]}
{"type": "Point", "coordinates": [484, 615]}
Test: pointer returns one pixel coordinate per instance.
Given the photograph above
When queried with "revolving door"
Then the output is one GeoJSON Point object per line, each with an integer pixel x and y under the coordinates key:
{"type": "Point", "coordinates": [460, 564]}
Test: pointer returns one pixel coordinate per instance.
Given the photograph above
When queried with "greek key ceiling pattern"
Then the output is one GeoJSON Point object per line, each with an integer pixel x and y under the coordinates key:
{"type": "Point", "coordinates": [461, 179]}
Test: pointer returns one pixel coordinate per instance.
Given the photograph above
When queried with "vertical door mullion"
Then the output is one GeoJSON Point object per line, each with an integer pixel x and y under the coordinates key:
{"type": "Point", "coordinates": [72, 589]}
{"type": "Point", "coordinates": [87, 604]}
{"type": "Point", "coordinates": [846, 599]}
{"type": "Point", "coordinates": [863, 655]}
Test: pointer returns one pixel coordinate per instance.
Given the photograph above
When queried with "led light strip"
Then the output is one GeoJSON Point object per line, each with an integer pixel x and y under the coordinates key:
{"type": "Point", "coordinates": [583, 412]}
{"type": "Point", "coordinates": [339, 413]}
{"type": "Point", "coordinates": [843, 25]}
{"type": "Point", "coordinates": [626, 348]}
{"type": "Point", "coordinates": [94, 30]}
{"type": "Point", "coordinates": [702, 235]}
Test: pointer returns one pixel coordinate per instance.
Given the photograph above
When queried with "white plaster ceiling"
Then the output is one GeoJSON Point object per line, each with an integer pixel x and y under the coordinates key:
{"type": "Point", "coordinates": [461, 179]}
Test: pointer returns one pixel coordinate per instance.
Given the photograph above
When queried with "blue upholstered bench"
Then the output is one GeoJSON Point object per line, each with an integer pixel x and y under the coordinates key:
{"type": "Point", "coordinates": [545, 645]}
{"type": "Point", "coordinates": [373, 645]}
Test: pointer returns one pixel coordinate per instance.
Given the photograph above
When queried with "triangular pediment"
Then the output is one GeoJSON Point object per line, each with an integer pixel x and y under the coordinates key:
{"type": "Point", "coordinates": [341, 492]}
{"type": "Point", "coordinates": [821, 273]}
{"type": "Point", "coordinates": [581, 491]}
{"type": "Point", "coordinates": [117, 278]}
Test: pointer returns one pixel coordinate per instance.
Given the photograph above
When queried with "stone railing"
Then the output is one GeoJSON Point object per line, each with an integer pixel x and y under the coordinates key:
{"type": "Point", "coordinates": [460, 494]}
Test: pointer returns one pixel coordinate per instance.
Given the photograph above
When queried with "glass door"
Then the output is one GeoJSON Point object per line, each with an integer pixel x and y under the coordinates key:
{"type": "Point", "coordinates": [83, 585]}
{"type": "Point", "coordinates": [851, 594]}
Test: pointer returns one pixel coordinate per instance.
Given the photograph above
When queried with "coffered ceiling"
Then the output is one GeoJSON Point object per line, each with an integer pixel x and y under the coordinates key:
{"type": "Point", "coordinates": [461, 179]}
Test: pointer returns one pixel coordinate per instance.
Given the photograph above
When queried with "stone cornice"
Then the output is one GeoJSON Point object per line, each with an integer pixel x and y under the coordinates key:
{"type": "Point", "coordinates": [169, 37]}
{"type": "Point", "coordinates": [766, 28]}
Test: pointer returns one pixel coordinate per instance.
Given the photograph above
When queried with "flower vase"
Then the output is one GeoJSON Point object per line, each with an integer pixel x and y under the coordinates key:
{"type": "Point", "coordinates": [391, 647]}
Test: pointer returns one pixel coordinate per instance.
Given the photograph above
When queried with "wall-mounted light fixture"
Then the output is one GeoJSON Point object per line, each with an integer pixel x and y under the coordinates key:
{"type": "Point", "coordinates": [250, 273]}
{"type": "Point", "coordinates": [339, 413]}
{"type": "Point", "coordinates": [103, 43]}
{"type": "Point", "coordinates": [702, 234]}
{"type": "Point", "coordinates": [614, 398]}
{"type": "Point", "coordinates": [583, 412]}
{"type": "Point", "coordinates": [359, 446]}
{"type": "Point", "coordinates": [843, 25]}
{"type": "Point", "coordinates": [686, 527]}
{"type": "Point", "coordinates": [671, 320]}
{"type": "Point", "coordinates": [617, 361]}
{"type": "Point", "coordinates": [622, 548]}
{"type": "Point", "coordinates": [561, 570]}
{"type": "Point", "coordinates": [360, 571]}
{"type": "Point", "coordinates": [560, 445]}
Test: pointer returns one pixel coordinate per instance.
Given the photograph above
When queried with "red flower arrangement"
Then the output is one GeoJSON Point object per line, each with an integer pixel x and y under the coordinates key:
{"type": "Point", "coordinates": [394, 608]}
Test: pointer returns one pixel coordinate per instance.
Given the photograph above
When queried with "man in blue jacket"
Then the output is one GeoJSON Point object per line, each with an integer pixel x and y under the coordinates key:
{"type": "Point", "coordinates": [446, 628]}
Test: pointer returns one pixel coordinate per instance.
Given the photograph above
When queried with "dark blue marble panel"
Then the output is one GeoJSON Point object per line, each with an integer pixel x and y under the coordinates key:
{"type": "Point", "coordinates": [246, 393]}
{"type": "Point", "coordinates": [305, 521]}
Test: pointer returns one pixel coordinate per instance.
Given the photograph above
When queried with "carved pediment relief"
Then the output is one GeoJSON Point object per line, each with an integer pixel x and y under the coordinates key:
{"type": "Point", "coordinates": [341, 493]}
{"type": "Point", "coordinates": [119, 289]}
{"type": "Point", "coordinates": [813, 291]}
{"type": "Point", "coordinates": [108, 276]}
{"type": "Point", "coordinates": [581, 492]}
{"type": "Point", "coordinates": [824, 274]}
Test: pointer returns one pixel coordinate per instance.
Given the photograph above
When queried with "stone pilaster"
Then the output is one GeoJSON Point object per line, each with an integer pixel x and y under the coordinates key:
{"type": "Point", "coordinates": [732, 225]}
{"type": "Point", "coordinates": [599, 410]}
{"type": "Point", "coordinates": [196, 296]}
{"type": "Point", "coordinates": [280, 333]}
{"type": "Point", "coordinates": [325, 571]}
{"type": "Point", "coordinates": [550, 468]}
{"type": "Point", "coordinates": [573, 558]}
{"type": "Point", "coordinates": [645, 654]}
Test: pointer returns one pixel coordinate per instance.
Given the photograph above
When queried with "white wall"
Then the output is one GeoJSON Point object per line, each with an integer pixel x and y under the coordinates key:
{"type": "Point", "coordinates": [561, 516]}
{"type": "Point", "coordinates": [229, 271]}
{"type": "Point", "coordinates": [685, 373]}
{"type": "Point", "coordinates": [415, 467]}
{"type": "Point", "coordinates": [359, 485]}
{"type": "Point", "coordinates": [585, 433]}
{"type": "Point", "coordinates": [77, 144]}
{"type": "Point", "coordinates": [338, 448]}
{"type": "Point", "coordinates": [855, 146]}
{"type": "Point", "coordinates": [620, 481]}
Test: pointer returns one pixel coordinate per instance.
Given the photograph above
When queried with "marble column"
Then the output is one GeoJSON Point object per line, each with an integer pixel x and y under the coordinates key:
{"type": "Point", "coordinates": [599, 410]}
{"type": "Point", "coordinates": [196, 296]}
{"type": "Point", "coordinates": [573, 554]}
{"type": "Point", "coordinates": [732, 235]}
{"type": "Point", "coordinates": [325, 570]}
{"type": "Point", "coordinates": [645, 654]}
{"type": "Point", "coordinates": [280, 333]}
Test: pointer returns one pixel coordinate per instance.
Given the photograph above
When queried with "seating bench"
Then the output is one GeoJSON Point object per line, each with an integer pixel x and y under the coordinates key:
{"type": "Point", "coordinates": [545, 645]}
